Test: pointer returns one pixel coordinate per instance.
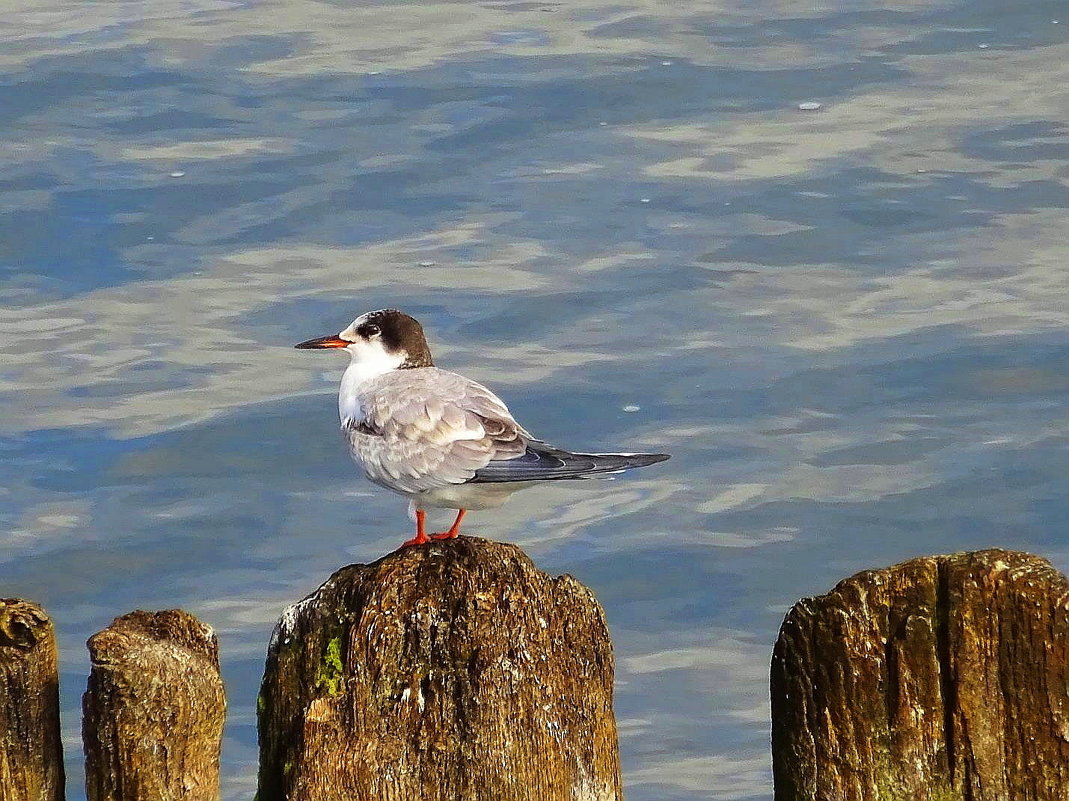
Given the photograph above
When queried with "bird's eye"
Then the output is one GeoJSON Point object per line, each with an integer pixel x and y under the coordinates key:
{"type": "Point", "coordinates": [371, 330]}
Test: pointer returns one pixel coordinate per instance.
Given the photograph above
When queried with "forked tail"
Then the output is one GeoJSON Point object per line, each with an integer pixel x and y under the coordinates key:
{"type": "Point", "coordinates": [542, 462]}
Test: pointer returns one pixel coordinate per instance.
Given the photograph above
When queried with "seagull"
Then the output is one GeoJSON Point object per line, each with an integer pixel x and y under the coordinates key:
{"type": "Point", "coordinates": [436, 437]}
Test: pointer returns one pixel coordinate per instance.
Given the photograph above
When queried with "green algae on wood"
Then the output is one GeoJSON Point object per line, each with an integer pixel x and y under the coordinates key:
{"type": "Point", "coordinates": [330, 668]}
{"type": "Point", "coordinates": [455, 670]}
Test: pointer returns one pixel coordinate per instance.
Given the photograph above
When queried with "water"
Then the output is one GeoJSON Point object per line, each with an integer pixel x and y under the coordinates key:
{"type": "Point", "coordinates": [847, 323]}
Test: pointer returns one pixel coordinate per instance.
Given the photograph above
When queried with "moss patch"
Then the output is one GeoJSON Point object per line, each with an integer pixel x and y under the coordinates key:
{"type": "Point", "coordinates": [329, 676]}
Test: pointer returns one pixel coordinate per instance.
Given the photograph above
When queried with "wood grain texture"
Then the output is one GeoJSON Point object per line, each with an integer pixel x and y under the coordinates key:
{"type": "Point", "coordinates": [945, 677]}
{"type": "Point", "coordinates": [31, 754]}
{"type": "Point", "coordinates": [153, 710]}
{"type": "Point", "coordinates": [451, 671]}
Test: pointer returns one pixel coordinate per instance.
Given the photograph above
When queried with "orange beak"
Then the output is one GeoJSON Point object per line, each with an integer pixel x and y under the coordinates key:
{"type": "Point", "coordinates": [323, 342]}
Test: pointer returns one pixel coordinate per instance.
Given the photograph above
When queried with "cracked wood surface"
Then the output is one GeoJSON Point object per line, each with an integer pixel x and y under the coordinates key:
{"type": "Point", "coordinates": [456, 670]}
{"type": "Point", "coordinates": [31, 754]}
{"type": "Point", "coordinates": [153, 710]}
{"type": "Point", "coordinates": [944, 677]}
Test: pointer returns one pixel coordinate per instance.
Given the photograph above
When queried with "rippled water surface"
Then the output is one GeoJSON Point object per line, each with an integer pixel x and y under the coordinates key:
{"type": "Point", "coordinates": [849, 324]}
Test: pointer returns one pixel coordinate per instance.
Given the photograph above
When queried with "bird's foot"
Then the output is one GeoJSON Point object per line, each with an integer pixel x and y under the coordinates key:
{"type": "Point", "coordinates": [454, 530]}
{"type": "Point", "coordinates": [421, 531]}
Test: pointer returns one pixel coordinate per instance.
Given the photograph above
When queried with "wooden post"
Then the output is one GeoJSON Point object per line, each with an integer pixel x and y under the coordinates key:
{"type": "Point", "coordinates": [945, 677]}
{"type": "Point", "coordinates": [448, 671]}
{"type": "Point", "coordinates": [31, 754]}
{"type": "Point", "coordinates": [153, 710]}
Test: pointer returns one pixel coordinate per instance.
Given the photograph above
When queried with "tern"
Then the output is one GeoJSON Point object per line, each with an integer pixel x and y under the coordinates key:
{"type": "Point", "coordinates": [436, 437]}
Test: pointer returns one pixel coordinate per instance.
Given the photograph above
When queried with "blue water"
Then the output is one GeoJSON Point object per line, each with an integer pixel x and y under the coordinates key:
{"type": "Point", "coordinates": [849, 325]}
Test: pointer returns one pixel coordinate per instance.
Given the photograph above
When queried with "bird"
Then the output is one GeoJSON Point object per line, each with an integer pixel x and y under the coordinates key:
{"type": "Point", "coordinates": [436, 437]}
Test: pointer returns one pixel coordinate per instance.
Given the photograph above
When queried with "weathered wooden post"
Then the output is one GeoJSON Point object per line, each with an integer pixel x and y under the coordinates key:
{"type": "Point", "coordinates": [31, 755]}
{"type": "Point", "coordinates": [456, 670]}
{"type": "Point", "coordinates": [153, 710]}
{"type": "Point", "coordinates": [945, 677]}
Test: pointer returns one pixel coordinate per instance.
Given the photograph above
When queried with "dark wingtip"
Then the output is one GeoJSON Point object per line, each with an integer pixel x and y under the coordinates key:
{"type": "Point", "coordinates": [646, 459]}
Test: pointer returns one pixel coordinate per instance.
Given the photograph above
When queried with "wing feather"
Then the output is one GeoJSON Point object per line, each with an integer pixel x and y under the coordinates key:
{"type": "Point", "coordinates": [426, 428]}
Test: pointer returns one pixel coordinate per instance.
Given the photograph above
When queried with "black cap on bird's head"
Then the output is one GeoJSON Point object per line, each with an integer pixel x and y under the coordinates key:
{"type": "Point", "coordinates": [386, 334]}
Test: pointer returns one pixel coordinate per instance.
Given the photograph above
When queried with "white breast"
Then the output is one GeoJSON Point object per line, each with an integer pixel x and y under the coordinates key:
{"type": "Point", "coordinates": [348, 399]}
{"type": "Point", "coordinates": [368, 361]}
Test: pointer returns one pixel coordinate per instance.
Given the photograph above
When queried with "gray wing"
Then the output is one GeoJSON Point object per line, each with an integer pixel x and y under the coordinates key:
{"type": "Point", "coordinates": [426, 428]}
{"type": "Point", "coordinates": [543, 462]}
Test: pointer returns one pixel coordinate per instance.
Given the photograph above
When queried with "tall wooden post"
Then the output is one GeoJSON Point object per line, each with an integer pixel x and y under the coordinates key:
{"type": "Point", "coordinates": [945, 677]}
{"type": "Point", "coordinates": [31, 754]}
{"type": "Point", "coordinates": [153, 710]}
{"type": "Point", "coordinates": [448, 671]}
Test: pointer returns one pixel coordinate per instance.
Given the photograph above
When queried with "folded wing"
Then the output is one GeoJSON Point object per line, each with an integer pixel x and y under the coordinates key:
{"type": "Point", "coordinates": [543, 462]}
{"type": "Point", "coordinates": [426, 428]}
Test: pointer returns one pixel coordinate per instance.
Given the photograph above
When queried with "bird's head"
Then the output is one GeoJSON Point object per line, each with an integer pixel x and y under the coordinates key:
{"type": "Point", "coordinates": [386, 339]}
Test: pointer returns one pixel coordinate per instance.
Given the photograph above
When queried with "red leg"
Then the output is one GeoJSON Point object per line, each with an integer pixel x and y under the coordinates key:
{"type": "Point", "coordinates": [454, 529]}
{"type": "Point", "coordinates": [421, 535]}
